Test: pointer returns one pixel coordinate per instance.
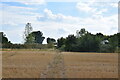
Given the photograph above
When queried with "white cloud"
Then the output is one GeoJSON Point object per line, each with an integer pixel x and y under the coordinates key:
{"type": "Point", "coordinates": [70, 24]}
{"type": "Point", "coordinates": [95, 7]}
{"type": "Point", "coordinates": [114, 5]}
{"type": "Point", "coordinates": [92, 7]}
{"type": "Point", "coordinates": [101, 11]}
{"type": "Point", "coordinates": [83, 6]}
{"type": "Point", "coordinates": [15, 15]}
{"type": "Point", "coordinates": [49, 16]}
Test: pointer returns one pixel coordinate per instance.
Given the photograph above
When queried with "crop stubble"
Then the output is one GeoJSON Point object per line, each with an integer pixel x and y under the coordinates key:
{"type": "Point", "coordinates": [36, 64]}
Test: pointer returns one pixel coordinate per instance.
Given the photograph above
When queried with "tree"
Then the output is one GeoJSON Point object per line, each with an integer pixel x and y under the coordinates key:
{"type": "Point", "coordinates": [35, 37]}
{"type": "Point", "coordinates": [99, 35]}
{"type": "Point", "coordinates": [28, 30]}
{"type": "Point", "coordinates": [70, 43]}
{"type": "Point", "coordinates": [105, 48]}
{"type": "Point", "coordinates": [3, 39]}
{"type": "Point", "coordinates": [4, 43]}
{"type": "Point", "coordinates": [38, 35]}
{"type": "Point", "coordinates": [114, 41]}
{"type": "Point", "coordinates": [50, 40]}
{"type": "Point", "coordinates": [88, 43]}
{"type": "Point", "coordinates": [81, 32]}
{"type": "Point", "coordinates": [61, 42]}
{"type": "Point", "coordinates": [30, 39]}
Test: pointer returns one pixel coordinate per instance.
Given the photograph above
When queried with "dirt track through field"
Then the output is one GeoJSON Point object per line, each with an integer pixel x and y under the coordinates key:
{"type": "Point", "coordinates": [56, 68]}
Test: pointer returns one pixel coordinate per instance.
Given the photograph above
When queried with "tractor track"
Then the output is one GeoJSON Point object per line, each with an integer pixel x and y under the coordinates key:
{"type": "Point", "coordinates": [55, 68]}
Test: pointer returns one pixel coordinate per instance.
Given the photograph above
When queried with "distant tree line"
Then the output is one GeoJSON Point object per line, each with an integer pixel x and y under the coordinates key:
{"type": "Point", "coordinates": [83, 41]}
{"type": "Point", "coordinates": [32, 40]}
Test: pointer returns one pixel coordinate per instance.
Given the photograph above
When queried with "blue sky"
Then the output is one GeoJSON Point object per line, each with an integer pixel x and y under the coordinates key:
{"type": "Point", "coordinates": [57, 19]}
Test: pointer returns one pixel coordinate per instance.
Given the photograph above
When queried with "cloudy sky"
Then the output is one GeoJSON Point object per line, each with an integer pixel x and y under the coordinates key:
{"type": "Point", "coordinates": [58, 18]}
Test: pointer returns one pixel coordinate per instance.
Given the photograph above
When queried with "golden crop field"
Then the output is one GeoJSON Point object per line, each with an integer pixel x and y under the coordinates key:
{"type": "Point", "coordinates": [55, 64]}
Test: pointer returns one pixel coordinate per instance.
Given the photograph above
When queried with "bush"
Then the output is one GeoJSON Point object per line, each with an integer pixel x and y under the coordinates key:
{"type": "Point", "coordinates": [62, 48]}
{"type": "Point", "coordinates": [106, 48]}
{"type": "Point", "coordinates": [24, 46]}
{"type": "Point", "coordinates": [117, 50]}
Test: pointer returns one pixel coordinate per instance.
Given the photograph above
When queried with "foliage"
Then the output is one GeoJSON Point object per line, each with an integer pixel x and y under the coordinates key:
{"type": "Point", "coordinates": [80, 33]}
{"type": "Point", "coordinates": [28, 30]}
{"type": "Point", "coordinates": [35, 37]}
{"type": "Point", "coordinates": [50, 40]}
{"type": "Point", "coordinates": [105, 48]}
{"type": "Point", "coordinates": [50, 45]}
{"type": "Point", "coordinates": [117, 50]}
{"type": "Point", "coordinates": [70, 43]}
{"type": "Point", "coordinates": [3, 39]}
{"type": "Point", "coordinates": [84, 41]}
{"type": "Point", "coordinates": [32, 37]}
{"type": "Point", "coordinates": [25, 46]}
{"type": "Point", "coordinates": [60, 42]}
{"type": "Point", "coordinates": [88, 43]}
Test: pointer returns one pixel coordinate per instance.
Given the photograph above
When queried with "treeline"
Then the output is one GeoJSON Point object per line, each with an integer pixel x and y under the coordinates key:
{"type": "Point", "coordinates": [83, 41]}
{"type": "Point", "coordinates": [32, 40]}
{"type": "Point", "coordinates": [5, 43]}
{"type": "Point", "coordinates": [24, 46]}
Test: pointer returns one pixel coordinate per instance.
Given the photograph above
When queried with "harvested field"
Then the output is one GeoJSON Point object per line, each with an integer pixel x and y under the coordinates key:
{"type": "Point", "coordinates": [91, 65]}
{"type": "Point", "coordinates": [54, 64]}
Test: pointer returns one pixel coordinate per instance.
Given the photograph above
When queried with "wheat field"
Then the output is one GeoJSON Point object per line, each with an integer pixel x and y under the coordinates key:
{"type": "Point", "coordinates": [55, 64]}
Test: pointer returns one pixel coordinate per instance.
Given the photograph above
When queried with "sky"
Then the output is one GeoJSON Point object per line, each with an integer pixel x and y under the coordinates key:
{"type": "Point", "coordinates": [57, 18]}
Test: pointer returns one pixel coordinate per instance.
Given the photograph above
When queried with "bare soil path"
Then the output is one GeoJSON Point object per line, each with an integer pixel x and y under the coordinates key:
{"type": "Point", "coordinates": [56, 68]}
